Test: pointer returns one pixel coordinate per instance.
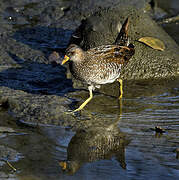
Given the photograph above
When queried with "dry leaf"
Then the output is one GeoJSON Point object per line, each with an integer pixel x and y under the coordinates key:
{"type": "Point", "coordinates": [153, 43]}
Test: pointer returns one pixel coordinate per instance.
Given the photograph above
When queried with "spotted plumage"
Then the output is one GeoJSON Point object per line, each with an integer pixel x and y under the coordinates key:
{"type": "Point", "coordinates": [100, 65]}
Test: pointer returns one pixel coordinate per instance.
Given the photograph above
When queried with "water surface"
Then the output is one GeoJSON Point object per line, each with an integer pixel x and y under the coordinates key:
{"type": "Point", "coordinates": [128, 148]}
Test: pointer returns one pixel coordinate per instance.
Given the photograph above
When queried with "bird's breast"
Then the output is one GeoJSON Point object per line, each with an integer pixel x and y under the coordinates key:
{"type": "Point", "coordinates": [96, 73]}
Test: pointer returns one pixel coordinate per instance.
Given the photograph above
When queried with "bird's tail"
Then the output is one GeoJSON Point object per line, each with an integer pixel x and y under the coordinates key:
{"type": "Point", "coordinates": [122, 38]}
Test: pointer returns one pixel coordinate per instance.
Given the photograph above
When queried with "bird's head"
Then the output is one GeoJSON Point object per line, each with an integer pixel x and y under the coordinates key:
{"type": "Point", "coordinates": [73, 53]}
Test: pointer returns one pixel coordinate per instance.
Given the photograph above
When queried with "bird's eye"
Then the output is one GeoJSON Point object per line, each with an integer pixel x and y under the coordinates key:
{"type": "Point", "coordinates": [72, 53]}
{"type": "Point", "coordinates": [131, 45]}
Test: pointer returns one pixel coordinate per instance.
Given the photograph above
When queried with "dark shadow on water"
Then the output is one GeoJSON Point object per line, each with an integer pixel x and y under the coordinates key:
{"type": "Point", "coordinates": [43, 38]}
{"type": "Point", "coordinates": [38, 76]}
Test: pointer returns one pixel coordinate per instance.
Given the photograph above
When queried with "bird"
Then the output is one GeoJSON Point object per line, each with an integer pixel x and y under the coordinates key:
{"type": "Point", "coordinates": [100, 65]}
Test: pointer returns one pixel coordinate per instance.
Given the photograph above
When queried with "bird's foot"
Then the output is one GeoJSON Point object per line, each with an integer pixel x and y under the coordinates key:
{"type": "Point", "coordinates": [84, 103]}
{"type": "Point", "coordinates": [120, 97]}
{"type": "Point", "coordinates": [72, 112]}
{"type": "Point", "coordinates": [69, 112]}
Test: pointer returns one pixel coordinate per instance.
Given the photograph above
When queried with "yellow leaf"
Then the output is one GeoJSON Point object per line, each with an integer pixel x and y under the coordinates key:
{"type": "Point", "coordinates": [153, 43]}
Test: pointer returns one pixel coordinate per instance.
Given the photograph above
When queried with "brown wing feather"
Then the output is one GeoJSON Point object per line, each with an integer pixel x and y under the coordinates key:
{"type": "Point", "coordinates": [112, 53]}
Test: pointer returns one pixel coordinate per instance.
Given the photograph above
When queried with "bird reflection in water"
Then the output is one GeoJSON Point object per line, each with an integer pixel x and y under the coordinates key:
{"type": "Point", "coordinates": [94, 144]}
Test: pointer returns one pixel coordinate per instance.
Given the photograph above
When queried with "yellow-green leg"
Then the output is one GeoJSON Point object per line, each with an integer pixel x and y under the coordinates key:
{"type": "Point", "coordinates": [121, 88]}
{"type": "Point", "coordinates": [87, 101]}
{"type": "Point", "coordinates": [120, 103]}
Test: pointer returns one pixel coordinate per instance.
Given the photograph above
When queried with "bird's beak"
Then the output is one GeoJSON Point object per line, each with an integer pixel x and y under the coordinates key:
{"type": "Point", "coordinates": [66, 58]}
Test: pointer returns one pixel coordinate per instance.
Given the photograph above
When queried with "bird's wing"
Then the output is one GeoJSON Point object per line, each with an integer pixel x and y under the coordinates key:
{"type": "Point", "coordinates": [112, 53]}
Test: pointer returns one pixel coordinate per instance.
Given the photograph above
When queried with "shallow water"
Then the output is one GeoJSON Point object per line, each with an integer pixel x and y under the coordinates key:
{"type": "Point", "coordinates": [130, 141]}
{"type": "Point", "coordinates": [127, 147]}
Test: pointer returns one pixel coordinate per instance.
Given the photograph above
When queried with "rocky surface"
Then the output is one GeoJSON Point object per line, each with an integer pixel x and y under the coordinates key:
{"type": "Point", "coordinates": [37, 90]}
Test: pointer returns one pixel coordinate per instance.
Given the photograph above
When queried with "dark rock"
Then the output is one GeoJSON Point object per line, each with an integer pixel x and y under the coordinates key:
{"type": "Point", "coordinates": [177, 153]}
{"type": "Point", "coordinates": [4, 103]}
{"type": "Point", "coordinates": [7, 153]}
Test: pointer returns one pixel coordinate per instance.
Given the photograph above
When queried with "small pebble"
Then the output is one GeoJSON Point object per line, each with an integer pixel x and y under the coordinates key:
{"type": "Point", "coordinates": [54, 56]}
{"type": "Point", "coordinates": [159, 129]}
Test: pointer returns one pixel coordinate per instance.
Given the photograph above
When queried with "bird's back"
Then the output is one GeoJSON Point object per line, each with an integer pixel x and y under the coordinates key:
{"type": "Point", "coordinates": [111, 54]}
